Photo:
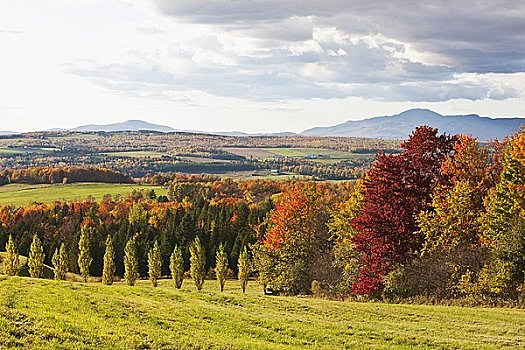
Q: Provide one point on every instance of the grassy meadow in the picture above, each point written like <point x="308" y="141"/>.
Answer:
<point x="294" y="152"/>
<point x="20" y="151"/>
<point x="21" y="194"/>
<point x="45" y="314"/>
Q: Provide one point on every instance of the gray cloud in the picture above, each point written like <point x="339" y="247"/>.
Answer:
<point x="405" y="50"/>
<point x="242" y="11"/>
<point x="478" y="36"/>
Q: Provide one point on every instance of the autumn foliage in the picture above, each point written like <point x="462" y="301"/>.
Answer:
<point x="397" y="188"/>
<point x="444" y="218"/>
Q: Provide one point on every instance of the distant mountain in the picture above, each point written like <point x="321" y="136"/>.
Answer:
<point x="401" y="125"/>
<point x="139" y="125"/>
<point x="130" y="125"/>
<point x="7" y="132"/>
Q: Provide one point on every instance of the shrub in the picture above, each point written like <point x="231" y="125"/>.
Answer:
<point x="131" y="264"/>
<point x="197" y="261"/>
<point x="84" y="254"/>
<point x="11" y="259"/>
<point x="221" y="266"/>
<point x="154" y="264"/>
<point x="60" y="263"/>
<point x="36" y="258"/>
<point x="177" y="267"/>
<point x="245" y="269"/>
<point x="108" y="271"/>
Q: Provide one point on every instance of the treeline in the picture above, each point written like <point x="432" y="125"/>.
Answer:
<point x="341" y="170"/>
<point x="444" y="219"/>
<point x="36" y="262"/>
<point x="215" y="220"/>
<point x="47" y="175"/>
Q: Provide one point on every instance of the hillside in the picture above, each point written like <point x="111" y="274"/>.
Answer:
<point x="37" y="314"/>
<point x="399" y="126"/>
<point x="24" y="269"/>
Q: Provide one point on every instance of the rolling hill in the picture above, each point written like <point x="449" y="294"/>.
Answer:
<point x="399" y="126"/>
<point x="44" y="314"/>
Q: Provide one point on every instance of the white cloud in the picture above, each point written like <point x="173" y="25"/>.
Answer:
<point x="188" y="62"/>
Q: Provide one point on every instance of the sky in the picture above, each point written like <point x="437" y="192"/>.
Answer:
<point x="256" y="66"/>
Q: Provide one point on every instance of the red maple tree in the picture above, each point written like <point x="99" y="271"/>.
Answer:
<point x="397" y="188"/>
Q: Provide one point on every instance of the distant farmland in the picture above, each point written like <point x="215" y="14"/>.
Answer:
<point x="320" y="154"/>
<point x="136" y="154"/>
<point x="20" y="195"/>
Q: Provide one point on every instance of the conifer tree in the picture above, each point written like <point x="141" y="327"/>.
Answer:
<point x="108" y="272"/>
<point x="11" y="260"/>
<point x="177" y="266"/>
<point x="244" y="266"/>
<point x="197" y="261"/>
<point x="36" y="258"/>
<point x="154" y="264"/>
<point x="84" y="254"/>
<point x="131" y="264"/>
<point x="60" y="263"/>
<point x="221" y="266"/>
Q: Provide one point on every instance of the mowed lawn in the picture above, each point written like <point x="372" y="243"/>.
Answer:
<point x="20" y="195"/>
<point x="45" y="314"/>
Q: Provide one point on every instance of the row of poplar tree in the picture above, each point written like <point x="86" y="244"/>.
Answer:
<point x="131" y="265"/>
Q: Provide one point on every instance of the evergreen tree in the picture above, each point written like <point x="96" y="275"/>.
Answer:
<point x="154" y="264"/>
<point x="108" y="273"/>
<point x="221" y="266"/>
<point x="197" y="263"/>
<point x="11" y="260"/>
<point x="244" y="266"/>
<point x="177" y="266"/>
<point x="131" y="264"/>
<point x="84" y="255"/>
<point x="36" y="258"/>
<point x="60" y="263"/>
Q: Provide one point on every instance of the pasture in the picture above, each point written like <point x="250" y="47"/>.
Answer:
<point x="315" y="154"/>
<point x="21" y="194"/>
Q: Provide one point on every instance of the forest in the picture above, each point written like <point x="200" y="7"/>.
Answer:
<point x="441" y="220"/>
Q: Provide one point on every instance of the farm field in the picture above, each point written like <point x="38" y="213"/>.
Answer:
<point x="268" y="152"/>
<point x="44" y="314"/>
<point x="136" y="154"/>
<point x="20" y="194"/>
<point x="13" y="151"/>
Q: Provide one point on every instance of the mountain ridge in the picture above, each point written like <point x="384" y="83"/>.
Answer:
<point x="128" y="125"/>
<point x="399" y="126"/>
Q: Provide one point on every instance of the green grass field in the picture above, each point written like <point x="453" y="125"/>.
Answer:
<point x="268" y="153"/>
<point x="44" y="314"/>
<point x="13" y="151"/>
<point x="19" y="194"/>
